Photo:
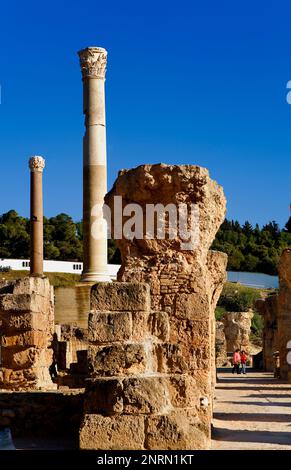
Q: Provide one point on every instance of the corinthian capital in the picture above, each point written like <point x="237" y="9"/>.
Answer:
<point x="36" y="163"/>
<point x="93" y="61"/>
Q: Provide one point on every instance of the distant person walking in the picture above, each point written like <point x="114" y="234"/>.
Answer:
<point x="243" y="361"/>
<point x="236" y="362"/>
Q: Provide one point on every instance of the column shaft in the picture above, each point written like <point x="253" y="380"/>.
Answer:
<point x="94" y="165"/>
<point x="36" y="216"/>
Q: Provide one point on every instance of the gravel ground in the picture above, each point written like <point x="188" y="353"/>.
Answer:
<point x="251" y="412"/>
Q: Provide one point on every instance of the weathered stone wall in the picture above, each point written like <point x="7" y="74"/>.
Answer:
<point x="284" y="312"/>
<point x="26" y="327"/>
<point x="184" y="288"/>
<point x="237" y="330"/>
<point x="41" y="414"/>
<point x="276" y="311"/>
<point x="268" y="308"/>
<point x="140" y="394"/>
<point x="123" y="388"/>
<point x="220" y="344"/>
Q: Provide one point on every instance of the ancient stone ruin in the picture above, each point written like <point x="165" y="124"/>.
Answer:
<point x="151" y="353"/>
<point x="27" y="325"/>
<point x="148" y="357"/>
<point x="220" y="345"/>
<point x="237" y="330"/>
<point x="268" y="308"/>
<point x="284" y="314"/>
<point x="276" y="311"/>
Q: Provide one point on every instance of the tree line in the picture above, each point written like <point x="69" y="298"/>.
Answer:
<point x="62" y="238"/>
<point x="252" y="249"/>
<point x="248" y="248"/>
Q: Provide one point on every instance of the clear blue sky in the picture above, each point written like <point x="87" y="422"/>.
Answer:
<point x="196" y="82"/>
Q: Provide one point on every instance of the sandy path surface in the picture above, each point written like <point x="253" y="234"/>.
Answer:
<point x="251" y="412"/>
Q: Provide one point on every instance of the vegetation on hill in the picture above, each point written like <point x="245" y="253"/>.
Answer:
<point x="248" y="249"/>
<point x="238" y="298"/>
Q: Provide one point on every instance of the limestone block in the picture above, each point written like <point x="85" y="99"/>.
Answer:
<point x="184" y="391"/>
<point x="139" y="325"/>
<point x="177" y="431"/>
<point x="145" y="395"/>
<point x="110" y="296"/>
<point x="119" y="432"/>
<point x="15" y="303"/>
<point x="106" y="327"/>
<point x="189" y="333"/>
<point x="159" y="325"/>
<point x="12" y="378"/>
<point x="178" y="359"/>
<point x="25" y="358"/>
<point x="12" y="322"/>
<point x="104" y="395"/>
<point x="39" y="285"/>
<point x="37" y="339"/>
<point x="192" y="306"/>
<point x="26" y="379"/>
<point x="117" y="359"/>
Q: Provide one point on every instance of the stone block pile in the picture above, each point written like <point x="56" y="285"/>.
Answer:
<point x="26" y="328"/>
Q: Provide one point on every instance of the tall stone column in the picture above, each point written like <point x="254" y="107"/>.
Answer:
<point x="93" y="62"/>
<point x="36" y="165"/>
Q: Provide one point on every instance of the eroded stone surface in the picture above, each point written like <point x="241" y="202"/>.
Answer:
<point x="116" y="359"/>
<point x="176" y="431"/>
<point x="163" y="374"/>
<point x="237" y="330"/>
<point x="118" y="432"/>
<point x="268" y="308"/>
<point x="276" y="312"/>
<point x="107" y="327"/>
<point x="27" y="322"/>
<point x="284" y="312"/>
<point x="106" y="296"/>
<point x="220" y="344"/>
<point x="165" y="184"/>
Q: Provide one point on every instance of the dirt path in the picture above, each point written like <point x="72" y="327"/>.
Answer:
<point x="251" y="412"/>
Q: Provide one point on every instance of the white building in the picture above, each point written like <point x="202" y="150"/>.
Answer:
<point x="50" y="266"/>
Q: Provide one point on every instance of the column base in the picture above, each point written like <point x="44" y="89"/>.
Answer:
<point x="92" y="277"/>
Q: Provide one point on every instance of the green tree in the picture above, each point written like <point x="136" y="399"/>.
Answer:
<point x="14" y="236"/>
<point x="288" y="226"/>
